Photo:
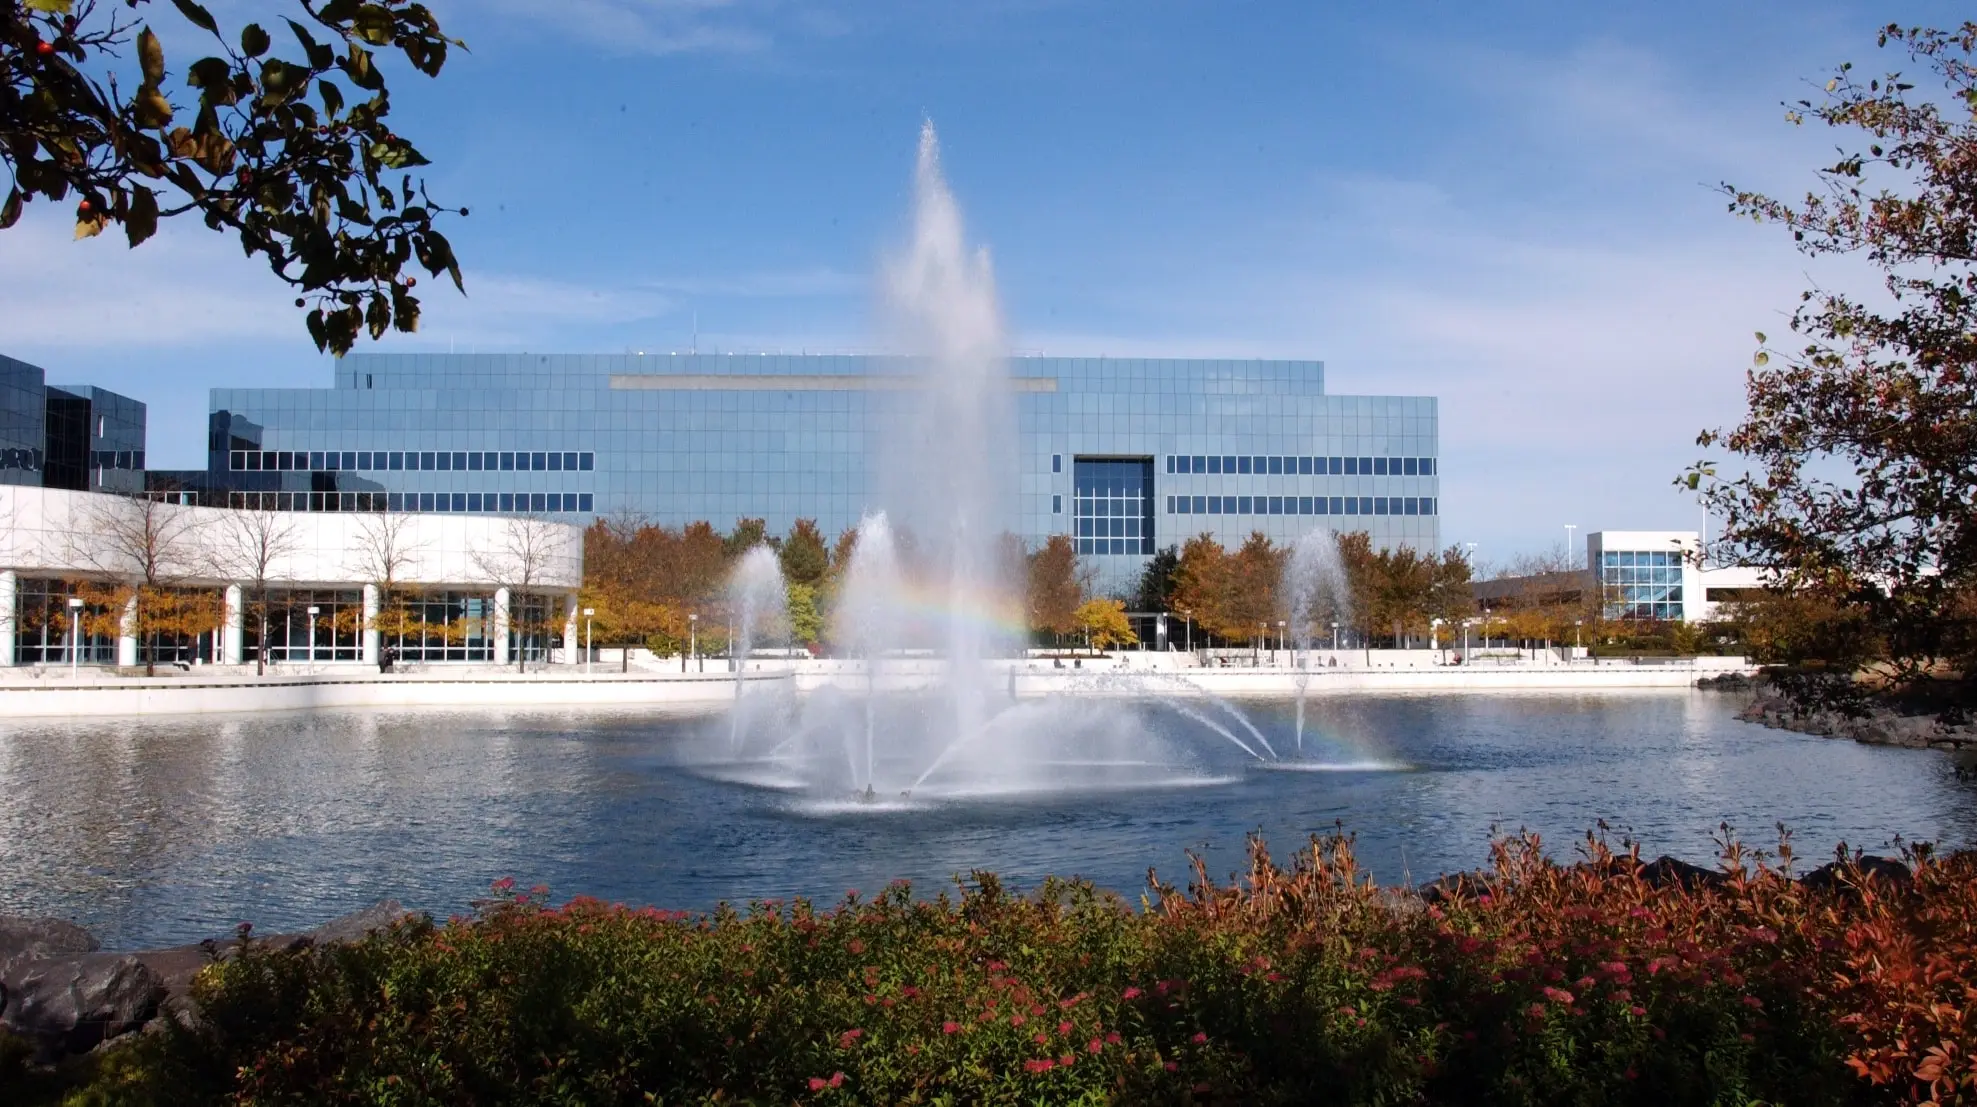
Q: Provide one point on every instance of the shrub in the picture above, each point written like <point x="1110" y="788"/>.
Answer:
<point x="1539" y="983"/>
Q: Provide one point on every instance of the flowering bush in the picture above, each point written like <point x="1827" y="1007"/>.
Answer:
<point x="1533" y="983"/>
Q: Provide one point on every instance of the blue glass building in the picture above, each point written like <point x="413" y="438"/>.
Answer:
<point x="1125" y="454"/>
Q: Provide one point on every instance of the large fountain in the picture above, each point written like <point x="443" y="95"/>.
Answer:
<point x="924" y="707"/>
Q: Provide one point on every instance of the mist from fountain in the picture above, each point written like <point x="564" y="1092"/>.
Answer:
<point x="759" y="599"/>
<point x="921" y="606"/>
<point x="1315" y="586"/>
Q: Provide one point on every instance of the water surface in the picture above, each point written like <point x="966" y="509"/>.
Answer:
<point x="156" y="831"/>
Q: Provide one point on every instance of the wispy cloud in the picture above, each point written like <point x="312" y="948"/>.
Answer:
<point x="646" y="26"/>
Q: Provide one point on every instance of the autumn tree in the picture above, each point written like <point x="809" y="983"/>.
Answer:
<point x="1104" y="623"/>
<point x="1252" y="603"/>
<point x="748" y="534"/>
<point x="1860" y="438"/>
<point x="1201" y="581"/>
<point x="247" y="546"/>
<point x="1054" y="593"/>
<point x="522" y="556"/>
<point x="147" y="548"/>
<point x="287" y="150"/>
<point x="384" y="549"/>
<point x="1451" y="595"/>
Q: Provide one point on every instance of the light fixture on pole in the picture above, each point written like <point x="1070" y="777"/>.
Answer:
<point x="1280" y="635"/>
<point x="693" y="641"/>
<point x="1335" y="638"/>
<point x="1569" y="528"/>
<point x="587" y="613"/>
<point x="75" y="636"/>
<point x="312" y="631"/>
<point x="1576" y="624"/>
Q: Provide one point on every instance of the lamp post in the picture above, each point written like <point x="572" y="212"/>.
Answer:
<point x="1576" y="624"/>
<point x="1569" y="528"/>
<point x="312" y="632"/>
<point x="75" y="637"/>
<point x="1256" y="645"/>
<point x="692" y="640"/>
<point x="1435" y="634"/>
<point x="1280" y="636"/>
<point x="587" y="613"/>
<point x="1335" y="638"/>
<point x="1187" y="629"/>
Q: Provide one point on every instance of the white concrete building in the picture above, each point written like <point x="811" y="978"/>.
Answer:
<point x="472" y="588"/>
<point x="1658" y="574"/>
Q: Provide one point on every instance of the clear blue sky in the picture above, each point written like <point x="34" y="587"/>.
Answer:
<point x="1508" y="206"/>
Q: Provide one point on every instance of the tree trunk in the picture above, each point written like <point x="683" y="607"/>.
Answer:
<point x="261" y="647"/>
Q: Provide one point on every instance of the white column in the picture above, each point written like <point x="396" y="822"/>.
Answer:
<point x="372" y="639"/>
<point x="501" y="656"/>
<point x="570" y="646"/>
<point x="10" y="606"/>
<point x="235" y="646"/>
<point x="127" y="635"/>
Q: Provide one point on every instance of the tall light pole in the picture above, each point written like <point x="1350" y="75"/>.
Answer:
<point x="587" y="613"/>
<point x="75" y="637"/>
<point x="1335" y="638"/>
<point x="1280" y="636"/>
<point x="1569" y="528"/>
<point x="693" y="639"/>
<point x="312" y="633"/>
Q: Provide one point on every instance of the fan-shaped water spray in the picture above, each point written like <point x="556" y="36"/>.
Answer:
<point x="1315" y="584"/>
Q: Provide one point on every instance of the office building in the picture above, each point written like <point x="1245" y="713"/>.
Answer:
<point x="1124" y="454"/>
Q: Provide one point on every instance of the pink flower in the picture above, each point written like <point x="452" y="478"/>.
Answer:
<point x="950" y="1028"/>
<point x="1558" y="995"/>
<point x="1637" y="1012"/>
<point x="1064" y="1027"/>
<point x="1112" y="1038"/>
<point x="1044" y="1065"/>
<point x="1754" y="1003"/>
<point x="1040" y="1038"/>
<point x="857" y="946"/>
<point x="1133" y="993"/>
<point x="1017" y="1020"/>
<point x="845" y="1039"/>
<point x="837" y="1080"/>
<point x="1170" y="1066"/>
<point x="505" y="885"/>
<point x="1200" y="1037"/>
<point x="1095" y="1045"/>
<point x="818" y="1083"/>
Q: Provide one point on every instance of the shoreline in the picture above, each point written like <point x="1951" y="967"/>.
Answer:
<point x="51" y="694"/>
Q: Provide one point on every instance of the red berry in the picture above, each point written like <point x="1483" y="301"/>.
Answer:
<point x="82" y="208"/>
<point x="44" y="48"/>
<point x="411" y="281"/>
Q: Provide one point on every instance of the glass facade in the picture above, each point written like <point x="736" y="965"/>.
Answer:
<point x="1225" y="447"/>
<point x="1641" y="584"/>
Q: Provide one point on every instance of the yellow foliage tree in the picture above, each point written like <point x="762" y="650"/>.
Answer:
<point x="1105" y="624"/>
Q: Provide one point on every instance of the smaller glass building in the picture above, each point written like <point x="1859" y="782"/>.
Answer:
<point x="1647" y="574"/>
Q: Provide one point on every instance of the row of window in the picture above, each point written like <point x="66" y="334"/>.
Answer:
<point x="116" y="459"/>
<point x="1633" y="558"/>
<point x="535" y="503"/>
<point x="1301" y="505"/>
<point x="1658" y="574"/>
<point x="361" y="461"/>
<point x="1302" y="466"/>
<point x="1115" y="545"/>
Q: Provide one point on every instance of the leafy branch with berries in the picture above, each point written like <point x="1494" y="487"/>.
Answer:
<point x="287" y="150"/>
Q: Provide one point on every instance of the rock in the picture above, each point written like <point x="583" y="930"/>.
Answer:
<point x="354" y="926"/>
<point x="1665" y="872"/>
<point x="35" y="938"/>
<point x="1726" y="682"/>
<point x="1453" y="886"/>
<point x="72" y="1004"/>
<point x="1877" y="870"/>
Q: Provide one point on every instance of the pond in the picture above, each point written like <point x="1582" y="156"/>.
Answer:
<point x="161" y="831"/>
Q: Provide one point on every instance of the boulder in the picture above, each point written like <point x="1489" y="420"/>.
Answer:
<point x="354" y="926"/>
<point x="72" y="1004"/>
<point x="1884" y="871"/>
<point x="1453" y="886"/>
<point x="26" y="938"/>
<point x="1665" y="872"/>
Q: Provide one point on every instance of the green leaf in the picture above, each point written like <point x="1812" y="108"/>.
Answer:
<point x="198" y="15"/>
<point x="358" y="68"/>
<point x="150" y="56"/>
<point x="10" y="212"/>
<point x="141" y="222"/>
<point x="332" y="98"/>
<point x="53" y="7"/>
<point x="397" y="155"/>
<point x="253" y="40"/>
<point x="374" y="24"/>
